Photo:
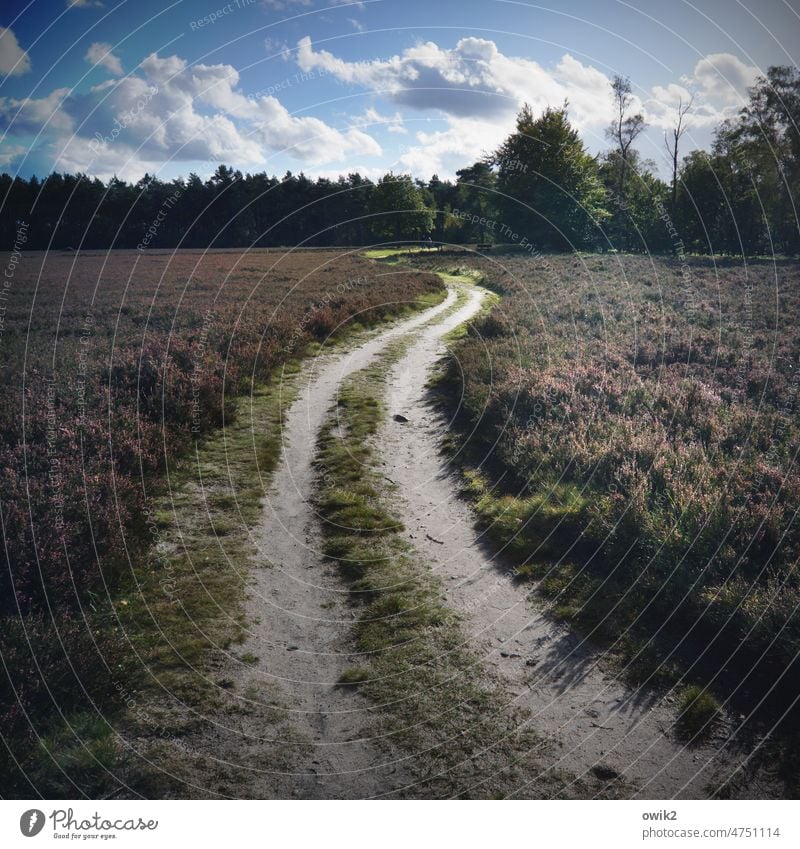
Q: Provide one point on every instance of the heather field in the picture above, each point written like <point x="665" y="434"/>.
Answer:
<point x="628" y="429"/>
<point x="624" y="431"/>
<point x="117" y="366"/>
<point x="401" y="401"/>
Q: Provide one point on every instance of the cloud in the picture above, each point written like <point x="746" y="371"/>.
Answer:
<point x="475" y="79"/>
<point x="718" y="85"/>
<point x="13" y="59"/>
<point x="472" y="79"/>
<point x="173" y="111"/>
<point x="422" y="77"/>
<point x="30" y="115"/>
<point x="661" y="108"/>
<point x="371" y="172"/>
<point x="287" y="4"/>
<point x="100" y="54"/>
<point x="725" y="76"/>
<point x="278" y="48"/>
<point x="443" y="152"/>
<point x="371" y="117"/>
<point x="476" y="89"/>
<point x="307" y="138"/>
<point x="11" y="153"/>
<point x="280" y="5"/>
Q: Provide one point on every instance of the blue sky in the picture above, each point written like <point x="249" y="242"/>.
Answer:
<point x="327" y="87"/>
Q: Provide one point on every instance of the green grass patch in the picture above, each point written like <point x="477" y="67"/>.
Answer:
<point x="354" y="675"/>
<point x="391" y="253"/>
<point x="698" y="713"/>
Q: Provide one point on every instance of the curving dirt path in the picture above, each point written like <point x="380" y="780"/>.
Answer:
<point x="301" y="621"/>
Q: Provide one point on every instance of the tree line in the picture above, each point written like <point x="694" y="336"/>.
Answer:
<point x="737" y="198"/>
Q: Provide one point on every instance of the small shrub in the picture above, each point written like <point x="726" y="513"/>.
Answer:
<point x="354" y="675"/>
<point x="698" y="712"/>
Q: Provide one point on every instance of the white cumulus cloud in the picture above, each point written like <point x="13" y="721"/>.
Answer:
<point x="100" y="54"/>
<point x="13" y="59"/>
<point x="472" y="79"/>
<point x="171" y="110"/>
<point x="371" y="117"/>
<point x="724" y="75"/>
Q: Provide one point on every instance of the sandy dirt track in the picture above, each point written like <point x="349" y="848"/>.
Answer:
<point x="301" y="622"/>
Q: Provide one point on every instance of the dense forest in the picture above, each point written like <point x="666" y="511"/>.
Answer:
<point x="541" y="188"/>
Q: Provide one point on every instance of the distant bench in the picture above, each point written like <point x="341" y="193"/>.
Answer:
<point x="486" y="246"/>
